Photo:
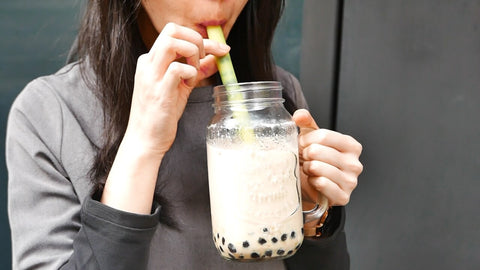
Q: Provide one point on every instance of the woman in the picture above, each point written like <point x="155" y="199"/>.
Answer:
<point x="106" y="158"/>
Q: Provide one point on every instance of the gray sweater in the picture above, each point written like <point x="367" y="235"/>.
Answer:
<point x="54" y="130"/>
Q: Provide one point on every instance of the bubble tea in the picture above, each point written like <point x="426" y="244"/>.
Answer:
<point x="253" y="169"/>
<point x="254" y="174"/>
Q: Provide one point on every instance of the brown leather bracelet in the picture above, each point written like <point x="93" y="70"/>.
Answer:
<point x="317" y="230"/>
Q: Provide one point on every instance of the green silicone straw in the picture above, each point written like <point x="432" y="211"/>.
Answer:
<point x="227" y="74"/>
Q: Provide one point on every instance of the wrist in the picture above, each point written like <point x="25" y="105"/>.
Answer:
<point x="130" y="184"/>
<point x="142" y="146"/>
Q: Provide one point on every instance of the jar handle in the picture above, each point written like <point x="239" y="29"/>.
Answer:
<point x="317" y="212"/>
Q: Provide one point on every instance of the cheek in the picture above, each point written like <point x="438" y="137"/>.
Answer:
<point x="156" y="12"/>
<point x="236" y="10"/>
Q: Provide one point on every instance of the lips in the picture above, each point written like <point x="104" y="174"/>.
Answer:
<point x="202" y="27"/>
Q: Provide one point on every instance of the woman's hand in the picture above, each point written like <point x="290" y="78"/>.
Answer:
<point x="165" y="76"/>
<point x="329" y="162"/>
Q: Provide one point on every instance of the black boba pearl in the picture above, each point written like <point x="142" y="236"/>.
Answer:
<point x="241" y="257"/>
<point x="297" y="247"/>
<point x="231" y="256"/>
<point x="232" y="248"/>
<point x="223" y="240"/>
<point x="268" y="253"/>
<point x="245" y="244"/>
<point x="221" y="249"/>
<point x="214" y="239"/>
<point x="261" y="241"/>
<point x="292" y="234"/>
<point x="265" y="229"/>
<point x="302" y="230"/>
<point x="284" y="237"/>
<point x="290" y="252"/>
<point x="274" y="239"/>
<point x="218" y="235"/>
<point x="280" y="252"/>
<point x="255" y="255"/>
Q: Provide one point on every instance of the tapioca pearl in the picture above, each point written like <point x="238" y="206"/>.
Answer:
<point x="289" y="252"/>
<point x="241" y="257"/>
<point x="284" y="237"/>
<point x="280" y="252"/>
<point x="292" y="235"/>
<point x="221" y="249"/>
<point x="223" y="240"/>
<point x="298" y="246"/>
<point x="255" y="255"/>
<point x="232" y="248"/>
<point x="245" y="244"/>
<point x="268" y="253"/>
<point x="231" y="256"/>
<point x="218" y="236"/>
<point x="302" y="230"/>
<point x="274" y="239"/>
<point x="262" y="241"/>
<point x="265" y="229"/>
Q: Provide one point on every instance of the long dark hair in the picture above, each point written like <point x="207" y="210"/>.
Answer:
<point x="109" y="43"/>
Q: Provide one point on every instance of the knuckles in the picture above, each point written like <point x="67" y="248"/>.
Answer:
<point x="343" y="199"/>
<point x="170" y="28"/>
<point x="354" y="166"/>
<point x="350" y="183"/>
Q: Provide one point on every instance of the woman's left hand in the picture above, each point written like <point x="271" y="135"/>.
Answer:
<point x="329" y="161"/>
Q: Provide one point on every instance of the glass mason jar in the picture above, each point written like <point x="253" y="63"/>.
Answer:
<point x="253" y="171"/>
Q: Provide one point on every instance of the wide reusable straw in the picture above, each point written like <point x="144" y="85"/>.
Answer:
<point x="227" y="74"/>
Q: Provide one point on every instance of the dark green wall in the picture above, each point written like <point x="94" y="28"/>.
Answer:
<point x="35" y="39"/>
<point x="287" y="42"/>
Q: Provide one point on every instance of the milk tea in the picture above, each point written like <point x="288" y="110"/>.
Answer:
<point x="255" y="201"/>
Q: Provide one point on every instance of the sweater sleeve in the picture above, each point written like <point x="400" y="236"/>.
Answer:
<point x="112" y="239"/>
<point x="50" y="228"/>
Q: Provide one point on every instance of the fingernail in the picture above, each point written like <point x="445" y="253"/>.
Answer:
<point x="301" y="141"/>
<point x="224" y="47"/>
<point x="305" y="154"/>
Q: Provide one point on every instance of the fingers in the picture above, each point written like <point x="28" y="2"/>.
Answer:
<point x="177" y="73"/>
<point x="343" y="161"/>
<point x="215" y="48"/>
<point x="330" y="160"/>
<point x="174" y="31"/>
<point x="344" y="179"/>
<point x="176" y="42"/>
<point x="208" y="67"/>
<point x="334" y="194"/>
<point x="342" y="143"/>
<point x="304" y="120"/>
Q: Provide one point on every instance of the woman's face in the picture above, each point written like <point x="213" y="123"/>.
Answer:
<point x="194" y="14"/>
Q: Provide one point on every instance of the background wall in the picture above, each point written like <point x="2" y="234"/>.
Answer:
<point x="409" y="90"/>
<point x="35" y="39"/>
<point x="403" y="78"/>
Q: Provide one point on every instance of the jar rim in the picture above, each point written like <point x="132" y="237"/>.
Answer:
<point x="246" y="92"/>
<point x="246" y="86"/>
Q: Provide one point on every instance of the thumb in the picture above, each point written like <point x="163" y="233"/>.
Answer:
<point x="304" y="121"/>
<point x="208" y="67"/>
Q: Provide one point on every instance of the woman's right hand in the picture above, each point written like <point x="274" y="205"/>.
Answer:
<point x="165" y="76"/>
<point x="163" y="84"/>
